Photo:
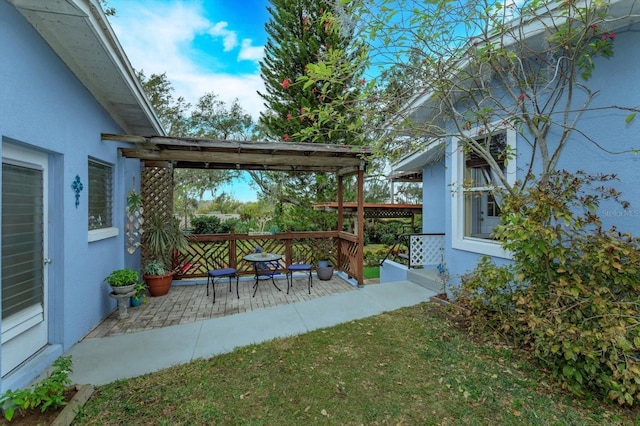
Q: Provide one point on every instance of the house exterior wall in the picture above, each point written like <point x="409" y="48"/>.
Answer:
<point x="434" y="191"/>
<point x="618" y="81"/>
<point x="45" y="108"/>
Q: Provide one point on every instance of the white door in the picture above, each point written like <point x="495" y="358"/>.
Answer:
<point x="24" y="252"/>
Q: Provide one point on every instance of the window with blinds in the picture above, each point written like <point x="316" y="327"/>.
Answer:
<point x="22" y="238"/>
<point x="100" y="195"/>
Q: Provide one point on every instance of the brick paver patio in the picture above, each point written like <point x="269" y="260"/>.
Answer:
<point x="189" y="303"/>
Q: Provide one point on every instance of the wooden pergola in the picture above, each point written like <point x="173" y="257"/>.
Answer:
<point x="161" y="154"/>
<point x="375" y="210"/>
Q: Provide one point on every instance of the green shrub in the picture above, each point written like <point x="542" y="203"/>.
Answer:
<point x="205" y="225"/>
<point x="47" y="393"/>
<point x="373" y="257"/>
<point x="229" y="224"/>
<point x="380" y="232"/>
<point x="571" y="295"/>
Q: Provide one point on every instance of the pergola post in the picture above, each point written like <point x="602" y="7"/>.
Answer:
<point x="360" y="226"/>
<point x="340" y="202"/>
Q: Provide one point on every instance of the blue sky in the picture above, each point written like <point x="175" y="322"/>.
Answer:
<point x="203" y="46"/>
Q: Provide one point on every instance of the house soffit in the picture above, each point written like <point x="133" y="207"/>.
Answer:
<point x="415" y="163"/>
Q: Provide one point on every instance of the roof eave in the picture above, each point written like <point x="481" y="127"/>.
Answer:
<point x="70" y="27"/>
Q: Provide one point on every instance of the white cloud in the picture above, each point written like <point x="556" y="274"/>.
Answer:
<point x="157" y="38"/>
<point x="249" y="52"/>
<point x="229" y="38"/>
<point x="227" y="86"/>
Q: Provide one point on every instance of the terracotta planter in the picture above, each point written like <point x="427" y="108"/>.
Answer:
<point x="158" y="284"/>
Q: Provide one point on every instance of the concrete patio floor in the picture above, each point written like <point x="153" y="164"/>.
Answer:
<point x="187" y="302"/>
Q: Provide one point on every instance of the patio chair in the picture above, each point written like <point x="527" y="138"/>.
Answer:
<point x="298" y="267"/>
<point x="214" y="274"/>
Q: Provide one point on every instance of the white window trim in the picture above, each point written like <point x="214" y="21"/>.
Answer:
<point x="103" y="233"/>
<point x="108" y="231"/>
<point x="458" y="239"/>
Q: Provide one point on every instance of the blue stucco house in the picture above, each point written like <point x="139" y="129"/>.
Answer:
<point x="64" y="80"/>
<point x="461" y="227"/>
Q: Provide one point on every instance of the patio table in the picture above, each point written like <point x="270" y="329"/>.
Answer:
<point x="263" y="273"/>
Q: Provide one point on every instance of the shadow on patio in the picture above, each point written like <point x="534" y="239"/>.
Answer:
<point x="187" y="303"/>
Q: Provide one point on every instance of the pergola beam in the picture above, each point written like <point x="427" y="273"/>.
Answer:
<point x="232" y="159"/>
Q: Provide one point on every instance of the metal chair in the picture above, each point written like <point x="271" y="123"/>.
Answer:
<point x="298" y="267"/>
<point x="214" y="274"/>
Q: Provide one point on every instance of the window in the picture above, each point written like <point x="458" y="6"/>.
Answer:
<point x="475" y="207"/>
<point x="100" y="195"/>
<point x="481" y="210"/>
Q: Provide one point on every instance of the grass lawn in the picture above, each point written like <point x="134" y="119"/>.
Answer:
<point x="410" y="366"/>
<point x="371" y="272"/>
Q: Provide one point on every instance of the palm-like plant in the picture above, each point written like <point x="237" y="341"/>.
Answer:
<point x="162" y="235"/>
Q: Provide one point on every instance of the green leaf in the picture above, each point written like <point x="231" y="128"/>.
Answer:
<point x="9" y="412"/>
<point x="568" y="371"/>
<point x="630" y="118"/>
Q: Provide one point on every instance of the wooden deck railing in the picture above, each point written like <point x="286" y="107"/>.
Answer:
<point x="214" y="251"/>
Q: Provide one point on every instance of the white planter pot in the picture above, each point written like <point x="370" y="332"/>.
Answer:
<point x="123" y="289"/>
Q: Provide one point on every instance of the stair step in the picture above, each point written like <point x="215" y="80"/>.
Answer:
<point x="427" y="278"/>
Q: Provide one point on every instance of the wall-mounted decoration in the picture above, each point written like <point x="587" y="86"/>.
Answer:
<point x="77" y="187"/>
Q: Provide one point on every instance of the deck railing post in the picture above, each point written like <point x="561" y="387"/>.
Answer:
<point x="233" y="258"/>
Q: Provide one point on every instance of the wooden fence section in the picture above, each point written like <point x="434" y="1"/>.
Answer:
<point x="215" y="251"/>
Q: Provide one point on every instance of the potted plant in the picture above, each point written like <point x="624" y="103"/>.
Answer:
<point x="123" y="281"/>
<point x="141" y="294"/>
<point x="324" y="269"/>
<point x="161" y="237"/>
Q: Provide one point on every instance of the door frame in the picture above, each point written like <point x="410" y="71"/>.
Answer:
<point x="27" y="325"/>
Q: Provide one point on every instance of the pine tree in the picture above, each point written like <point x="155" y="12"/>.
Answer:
<point x="303" y="33"/>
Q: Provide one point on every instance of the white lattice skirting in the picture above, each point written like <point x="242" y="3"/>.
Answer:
<point x="426" y="250"/>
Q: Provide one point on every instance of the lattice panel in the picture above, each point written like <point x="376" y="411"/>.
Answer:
<point x="426" y="250"/>
<point x="386" y="214"/>
<point x="245" y="247"/>
<point x="348" y="262"/>
<point x="302" y="251"/>
<point x="327" y="245"/>
<point x="157" y="190"/>
<point x="200" y="257"/>
<point x="157" y="194"/>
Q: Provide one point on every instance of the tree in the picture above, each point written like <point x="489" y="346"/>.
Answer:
<point x="210" y="118"/>
<point x="481" y="68"/>
<point x="108" y="10"/>
<point x="526" y="68"/>
<point x="303" y="34"/>
<point x="171" y="111"/>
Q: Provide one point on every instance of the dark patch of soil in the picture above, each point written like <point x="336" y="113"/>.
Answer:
<point x="442" y="296"/>
<point x="36" y="417"/>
